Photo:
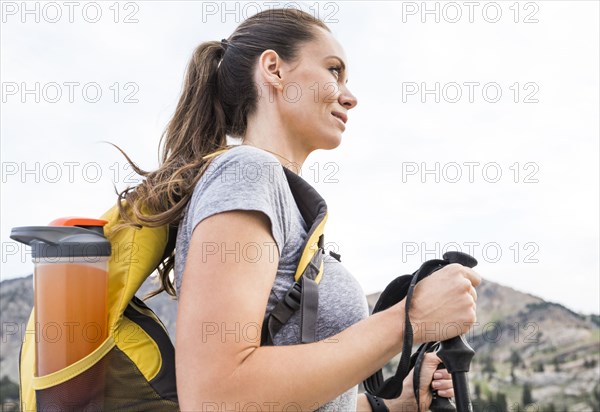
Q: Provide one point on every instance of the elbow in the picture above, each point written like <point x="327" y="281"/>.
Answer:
<point x="214" y="385"/>
<point x="204" y="390"/>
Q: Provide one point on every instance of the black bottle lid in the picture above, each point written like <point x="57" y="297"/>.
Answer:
<point x="65" y="237"/>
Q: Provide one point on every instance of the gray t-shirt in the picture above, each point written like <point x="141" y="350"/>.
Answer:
<point x="248" y="178"/>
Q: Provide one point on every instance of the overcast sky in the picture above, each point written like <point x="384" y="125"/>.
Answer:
<point x="476" y="128"/>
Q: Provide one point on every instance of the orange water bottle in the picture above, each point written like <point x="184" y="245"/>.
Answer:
<point x="70" y="259"/>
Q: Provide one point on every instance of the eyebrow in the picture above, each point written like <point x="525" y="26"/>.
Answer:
<point x="341" y="63"/>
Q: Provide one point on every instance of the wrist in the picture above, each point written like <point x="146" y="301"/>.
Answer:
<point x="377" y="404"/>
<point x="397" y="314"/>
<point x="415" y="323"/>
<point x="406" y="402"/>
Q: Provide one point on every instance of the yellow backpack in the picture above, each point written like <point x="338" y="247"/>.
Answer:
<point x="137" y="360"/>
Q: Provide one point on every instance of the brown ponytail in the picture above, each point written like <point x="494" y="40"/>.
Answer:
<point x="218" y="96"/>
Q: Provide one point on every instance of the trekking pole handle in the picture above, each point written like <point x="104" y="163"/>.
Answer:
<point x="457" y="355"/>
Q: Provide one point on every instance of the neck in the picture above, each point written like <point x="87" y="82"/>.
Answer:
<point x="282" y="150"/>
<point x="266" y="129"/>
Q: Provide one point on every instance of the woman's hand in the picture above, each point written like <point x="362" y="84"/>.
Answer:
<point x="431" y="379"/>
<point x="443" y="304"/>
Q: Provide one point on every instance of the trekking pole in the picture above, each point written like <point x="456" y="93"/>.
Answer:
<point x="456" y="354"/>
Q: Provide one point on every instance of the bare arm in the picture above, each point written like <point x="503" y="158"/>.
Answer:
<point x="228" y="367"/>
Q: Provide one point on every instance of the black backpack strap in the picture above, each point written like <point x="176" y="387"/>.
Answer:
<point x="281" y="313"/>
<point x="336" y="256"/>
<point x="171" y="241"/>
<point x="309" y="303"/>
<point x="303" y="295"/>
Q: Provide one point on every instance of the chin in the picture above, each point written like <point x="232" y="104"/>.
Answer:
<point x="330" y="142"/>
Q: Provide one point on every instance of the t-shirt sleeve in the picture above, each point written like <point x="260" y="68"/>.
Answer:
<point x="244" y="178"/>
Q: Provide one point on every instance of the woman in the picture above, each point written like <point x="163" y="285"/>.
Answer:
<point x="279" y="84"/>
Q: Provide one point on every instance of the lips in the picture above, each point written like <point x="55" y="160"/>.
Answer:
<point x="340" y="116"/>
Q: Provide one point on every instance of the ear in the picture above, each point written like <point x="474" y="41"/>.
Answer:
<point x="269" y="65"/>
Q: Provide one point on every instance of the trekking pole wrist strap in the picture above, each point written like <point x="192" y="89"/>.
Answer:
<point x="376" y="403"/>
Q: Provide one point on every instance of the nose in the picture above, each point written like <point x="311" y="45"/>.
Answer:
<point x="347" y="99"/>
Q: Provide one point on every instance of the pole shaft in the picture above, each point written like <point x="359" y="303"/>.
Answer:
<point x="461" y="392"/>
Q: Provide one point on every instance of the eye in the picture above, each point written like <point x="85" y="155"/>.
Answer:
<point x="336" y="68"/>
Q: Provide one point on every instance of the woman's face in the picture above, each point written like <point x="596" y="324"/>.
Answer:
<point x="315" y="100"/>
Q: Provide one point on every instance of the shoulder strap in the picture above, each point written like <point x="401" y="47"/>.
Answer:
<point x="303" y="294"/>
<point x="127" y="273"/>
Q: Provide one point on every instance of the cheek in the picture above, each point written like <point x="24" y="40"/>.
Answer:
<point x="294" y="94"/>
<point x="314" y="90"/>
<point x="308" y="101"/>
<point x="306" y="108"/>
<point x="329" y="92"/>
<point x="299" y="115"/>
